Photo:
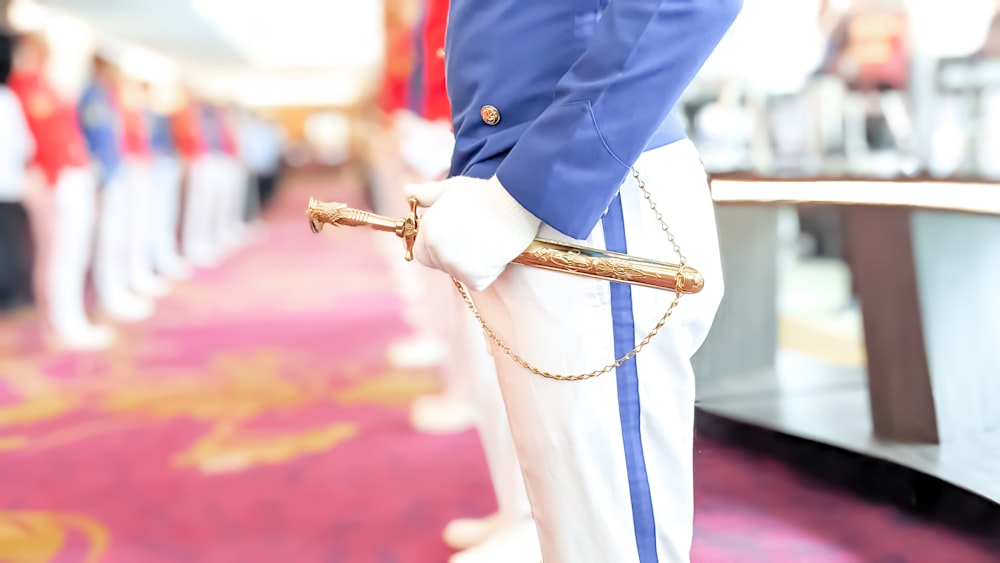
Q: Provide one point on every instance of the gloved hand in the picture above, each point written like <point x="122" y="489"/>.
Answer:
<point x="471" y="229"/>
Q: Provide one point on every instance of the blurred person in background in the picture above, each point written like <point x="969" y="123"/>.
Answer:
<point x="17" y="147"/>
<point x="417" y="151"/>
<point x="221" y="186"/>
<point x="233" y="219"/>
<point x="166" y="194"/>
<point x="60" y="201"/>
<point x="196" y="232"/>
<point x="260" y="148"/>
<point x="137" y="169"/>
<point x="873" y="59"/>
<point x="426" y="147"/>
<point x="242" y="121"/>
<point x="100" y="120"/>
<point x="427" y="347"/>
<point x="556" y="111"/>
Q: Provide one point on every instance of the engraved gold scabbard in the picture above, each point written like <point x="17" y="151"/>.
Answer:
<point x="547" y="254"/>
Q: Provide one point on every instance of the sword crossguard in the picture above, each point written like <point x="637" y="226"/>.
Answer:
<point x="408" y="229"/>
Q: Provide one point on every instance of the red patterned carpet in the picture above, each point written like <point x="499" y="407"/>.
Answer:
<point x="254" y="420"/>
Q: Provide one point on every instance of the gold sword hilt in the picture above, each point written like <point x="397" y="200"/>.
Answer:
<point x="547" y="254"/>
<point x="339" y="215"/>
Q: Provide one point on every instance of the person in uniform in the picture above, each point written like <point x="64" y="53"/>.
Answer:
<point x="219" y="191"/>
<point x="399" y="155"/>
<point x="508" y="534"/>
<point x="557" y="108"/>
<point x="62" y="208"/>
<point x="196" y="233"/>
<point x="166" y="197"/>
<point x="260" y="149"/>
<point x="16" y="149"/>
<point x="234" y="206"/>
<point x="137" y="168"/>
<point x="100" y="121"/>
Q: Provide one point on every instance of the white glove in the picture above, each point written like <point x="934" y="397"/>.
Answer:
<point x="472" y="228"/>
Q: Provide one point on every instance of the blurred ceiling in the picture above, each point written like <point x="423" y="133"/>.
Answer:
<point x="171" y="27"/>
<point x="265" y="52"/>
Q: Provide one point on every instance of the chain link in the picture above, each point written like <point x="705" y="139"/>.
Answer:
<point x="493" y="336"/>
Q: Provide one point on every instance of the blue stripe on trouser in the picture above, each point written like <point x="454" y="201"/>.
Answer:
<point x="628" y="393"/>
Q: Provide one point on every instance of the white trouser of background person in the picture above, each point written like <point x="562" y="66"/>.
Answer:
<point x="509" y="534"/>
<point x="422" y="348"/>
<point x="112" y="259"/>
<point x="234" y="223"/>
<point x="197" y="232"/>
<point x="220" y="195"/>
<point x="138" y="174"/>
<point x="607" y="462"/>
<point x="426" y="347"/>
<point x="470" y="394"/>
<point x="424" y="154"/>
<point x="165" y="216"/>
<point x="63" y="226"/>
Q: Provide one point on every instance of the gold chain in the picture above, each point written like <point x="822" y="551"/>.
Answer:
<point x="638" y="348"/>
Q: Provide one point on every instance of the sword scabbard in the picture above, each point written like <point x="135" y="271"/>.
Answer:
<point x="547" y="254"/>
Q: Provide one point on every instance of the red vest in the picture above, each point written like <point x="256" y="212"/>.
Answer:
<point x="187" y="132"/>
<point x="435" y="95"/>
<point x="399" y="62"/>
<point x="227" y="139"/>
<point x="136" y="137"/>
<point x="53" y="122"/>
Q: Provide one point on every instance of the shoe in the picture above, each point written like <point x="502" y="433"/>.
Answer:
<point x="416" y="353"/>
<point x="177" y="269"/>
<point x="150" y="285"/>
<point x="129" y="308"/>
<point x="256" y="232"/>
<point x="515" y="543"/>
<point x="203" y="256"/>
<point x="463" y="533"/>
<point x="441" y="414"/>
<point x="86" y="339"/>
<point x="234" y="238"/>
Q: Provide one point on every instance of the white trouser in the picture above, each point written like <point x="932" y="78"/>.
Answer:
<point x="228" y="200"/>
<point x="472" y="354"/>
<point x="166" y="201"/>
<point x="236" y="204"/>
<point x="139" y="187"/>
<point x="608" y="461"/>
<point x="111" y="263"/>
<point x="70" y="251"/>
<point x="197" y="233"/>
<point x="220" y="191"/>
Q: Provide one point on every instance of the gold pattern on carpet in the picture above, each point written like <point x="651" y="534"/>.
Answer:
<point x="36" y="537"/>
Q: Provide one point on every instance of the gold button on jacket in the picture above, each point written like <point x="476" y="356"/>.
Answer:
<point x="490" y="115"/>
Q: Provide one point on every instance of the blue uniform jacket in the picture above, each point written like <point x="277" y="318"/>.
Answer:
<point x="414" y="101"/>
<point x="102" y="128"/>
<point x="161" y="137"/>
<point x="210" y="128"/>
<point x="580" y="89"/>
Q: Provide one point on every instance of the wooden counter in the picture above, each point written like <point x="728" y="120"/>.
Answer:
<point x="925" y="258"/>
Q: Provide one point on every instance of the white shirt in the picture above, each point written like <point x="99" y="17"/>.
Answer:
<point x="17" y="146"/>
